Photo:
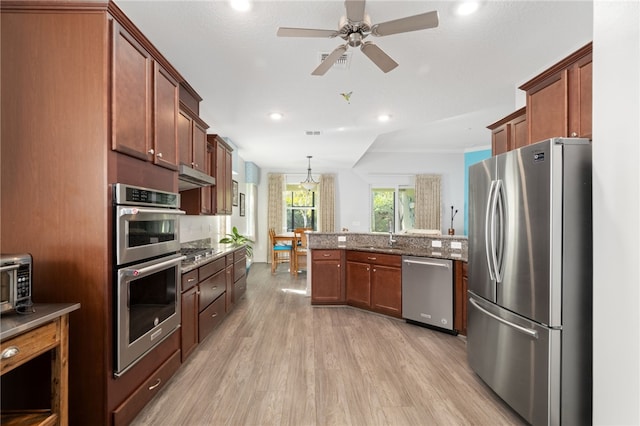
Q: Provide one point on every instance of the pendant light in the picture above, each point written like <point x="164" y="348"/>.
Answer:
<point x="309" y="184"/>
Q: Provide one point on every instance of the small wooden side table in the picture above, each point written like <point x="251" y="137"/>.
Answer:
<point x="23" y="337"/>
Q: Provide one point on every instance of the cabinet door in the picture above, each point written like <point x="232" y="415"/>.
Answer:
<point x="131" y="96"/>
<point x="580" y="102"/>
<point x="326" y="282"/>
<point x="230" y="294"/>
<point x="221" y="179"/>
<point x="547" y="108"/>
<point x="185" y="139"/>
<point x="165" y="119"/>
<point x="228" y="183"/>
<point x="519" y="134"/>
<point x="386" y="290"/>
<point x="200" y="148"/>
<point x="189" y="326"/>
<point x="500" y="139"/>
<point x="358" y="285"/>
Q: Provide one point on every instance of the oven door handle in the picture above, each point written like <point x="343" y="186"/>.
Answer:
<point x="9" y="268"/>
<point x="140" y="272"/>
<point x="130" y="211"/>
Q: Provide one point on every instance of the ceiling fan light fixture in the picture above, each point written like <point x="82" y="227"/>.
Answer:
<point x="383" y="118"/>
<point x="309" y="184"/>
<point x="275" y="116"/>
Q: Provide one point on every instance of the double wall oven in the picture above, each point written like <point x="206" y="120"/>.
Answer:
<point x="147" y="271"/>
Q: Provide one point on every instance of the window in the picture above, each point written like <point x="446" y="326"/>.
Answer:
<point x="392" y="209"/>
<point x="300" y="208"/>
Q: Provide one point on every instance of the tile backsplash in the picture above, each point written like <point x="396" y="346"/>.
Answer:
<point x="194" y="228"/>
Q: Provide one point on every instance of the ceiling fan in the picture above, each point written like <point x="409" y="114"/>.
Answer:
<point x="355" y="27"/>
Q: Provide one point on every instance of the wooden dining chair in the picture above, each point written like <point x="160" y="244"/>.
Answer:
<point x="280" y="252"/>
<point x="300" y="249"/>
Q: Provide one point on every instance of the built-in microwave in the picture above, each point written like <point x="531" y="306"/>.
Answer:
<point x="15" y="282"/>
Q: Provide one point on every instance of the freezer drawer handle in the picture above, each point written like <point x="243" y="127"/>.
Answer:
<point x="424" y="262"/>
<point x="521" y="329"/>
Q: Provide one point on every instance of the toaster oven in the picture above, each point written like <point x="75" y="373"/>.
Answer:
<point x="15" y="282"/>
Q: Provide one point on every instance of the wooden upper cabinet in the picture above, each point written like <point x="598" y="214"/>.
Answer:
<point x="165" y="119"/>
<point x="509" y="133"/>
<point x="131" y="96"/>
<point x="145" y="103"/>
<point x="559" y="99"/>
<point x="223" y="174"/>
<point x="192" y="140"/>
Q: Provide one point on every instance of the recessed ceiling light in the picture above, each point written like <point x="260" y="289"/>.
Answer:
<point x="276" y="116"/>
<point x="467" y="7"/>
<point x="384" y="118"/>
<point x="240" y="5"/>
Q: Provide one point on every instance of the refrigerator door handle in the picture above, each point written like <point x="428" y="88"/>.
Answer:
<point x="487" y="230"/>
<point x="527" y="331"/>
<point x="493" y="208"/>
<point x="497" y="232"/>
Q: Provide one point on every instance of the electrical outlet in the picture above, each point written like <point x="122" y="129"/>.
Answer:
<point x="436" y="243"/>
<point x="342" y="238"/>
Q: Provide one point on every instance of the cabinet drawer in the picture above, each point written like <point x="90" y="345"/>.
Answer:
<point x="325" y="254"/>
<point x="211" y="317"/>
<point x="375" y="258"/>
<point x="143" y="394"/>
<point x="239" y="254"/>
<point x="211" y="268"/>
<point x="28" y="346"/>
<point x="239" y="269"/>
<point x="240" y="287"/>
<point x="230" y="259"/>
<point x="189" y="279"/>
<point x="211" y="288"/>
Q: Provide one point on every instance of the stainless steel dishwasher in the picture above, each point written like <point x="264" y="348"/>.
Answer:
<point x="427" y="292"/>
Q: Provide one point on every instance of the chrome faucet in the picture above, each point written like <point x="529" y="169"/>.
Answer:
<point x="391" y="239"/>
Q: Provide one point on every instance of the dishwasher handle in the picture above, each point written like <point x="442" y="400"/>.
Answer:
<point x="426" y="262"/>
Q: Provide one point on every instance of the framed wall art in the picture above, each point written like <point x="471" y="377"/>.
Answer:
<point x="242" y="207"/>
<point x="235" y="193"/>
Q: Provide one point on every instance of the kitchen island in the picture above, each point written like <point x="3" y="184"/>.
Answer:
<point x="364" y="269"/>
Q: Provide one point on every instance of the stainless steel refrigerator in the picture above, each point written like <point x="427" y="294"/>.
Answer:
<point x="530" y="278"/>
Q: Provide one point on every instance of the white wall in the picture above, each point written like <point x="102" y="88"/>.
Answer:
<point x="616" y="212"/>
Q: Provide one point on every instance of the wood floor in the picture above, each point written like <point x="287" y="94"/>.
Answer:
<point x="276" y="360"/>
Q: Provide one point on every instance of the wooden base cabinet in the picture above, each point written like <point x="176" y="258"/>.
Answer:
<point x="460" y="297"/>
<point x="189" y="314"/>
<point x="327" y="277"/>
<point x="374" y="282"/>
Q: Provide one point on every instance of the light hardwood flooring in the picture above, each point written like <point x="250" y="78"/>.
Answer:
<point x="276" y="360"/>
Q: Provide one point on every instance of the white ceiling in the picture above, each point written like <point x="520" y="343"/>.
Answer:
<point x="451" y="83"/>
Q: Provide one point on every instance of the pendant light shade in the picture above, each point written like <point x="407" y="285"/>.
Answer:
<point x="309" y="184"/>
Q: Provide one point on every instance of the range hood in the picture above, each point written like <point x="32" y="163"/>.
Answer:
<point x="190" y="178"/>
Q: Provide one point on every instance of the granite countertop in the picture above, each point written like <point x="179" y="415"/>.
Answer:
<point x="217" y="251"/>
<point x="13" y="323"/>
<point x="452" y="247"/>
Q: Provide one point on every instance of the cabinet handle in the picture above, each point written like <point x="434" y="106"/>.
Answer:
<point x="190" y="280"/>
<point x="159" y="155"/>
<point x="371" y="258"/>
<point x="214" y="287"/>
<point x="151" y="151"/>
<point x="215" y="314"/>
<point x="326" y="255"/>
<point x="10" y="352"/>
<point x="574" y="134"/>
<point x="152" y="387"/>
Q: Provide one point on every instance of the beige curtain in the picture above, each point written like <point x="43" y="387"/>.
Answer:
<point x="276" y="188"/>
<point x="428" y="202"/>
<point x="326" y="203"/>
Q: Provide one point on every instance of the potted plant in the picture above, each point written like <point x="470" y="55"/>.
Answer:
<point x="236" y="238"/>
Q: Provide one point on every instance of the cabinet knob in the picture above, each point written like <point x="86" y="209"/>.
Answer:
<point x="151" y="151"/>
<point x="574" y="135"/>
<point x="159" y="155"/>
<point x="338" y="265"/>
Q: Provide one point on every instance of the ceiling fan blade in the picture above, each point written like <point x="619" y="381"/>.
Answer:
<point x="330" y="60"/>
<point x="306" y="32"/>
<point x="405" y="25"/>
<point x="355" y="10"/>
<point x="381" y="59"/>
